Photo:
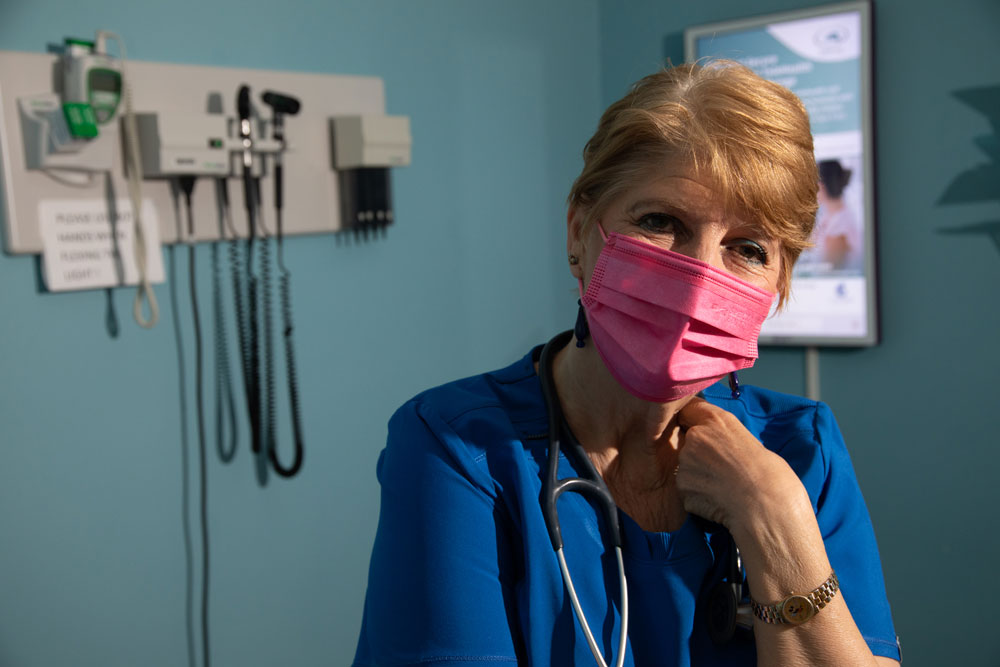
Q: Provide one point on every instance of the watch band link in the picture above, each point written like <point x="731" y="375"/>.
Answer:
<point x="797" y="609"/>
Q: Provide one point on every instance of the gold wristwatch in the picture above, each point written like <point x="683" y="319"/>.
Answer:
<point x="797" y="609"/>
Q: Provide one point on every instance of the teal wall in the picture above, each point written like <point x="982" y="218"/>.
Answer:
<point x="502" y="97"/>
<point x="919" y="411"/>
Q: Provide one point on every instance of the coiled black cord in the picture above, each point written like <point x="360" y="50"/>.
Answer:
<point x="224" y="402"/>
<point x="239" y="297"/>
<point x="247" y="325"/>
<point x="270" y="413"/>
<point x="256" y="395"/>
<point x="293" y="385"/>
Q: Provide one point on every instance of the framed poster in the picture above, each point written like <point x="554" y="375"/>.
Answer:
<point x="823" y="55"/>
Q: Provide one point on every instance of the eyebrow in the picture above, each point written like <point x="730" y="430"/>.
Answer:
<point x="664" y="204"/>
<point x="655" y="203"/>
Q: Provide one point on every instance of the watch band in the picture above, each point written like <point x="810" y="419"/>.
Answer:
<point x="797" y="609"/>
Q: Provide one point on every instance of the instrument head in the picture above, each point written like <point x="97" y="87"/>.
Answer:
<point x="243" y="102"/>
<point x="281" y="103"/>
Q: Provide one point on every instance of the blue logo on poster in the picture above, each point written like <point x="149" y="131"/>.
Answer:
<point x="832" y="36"/>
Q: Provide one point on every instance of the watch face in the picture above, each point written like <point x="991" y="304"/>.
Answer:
<point x="797" y="609"/>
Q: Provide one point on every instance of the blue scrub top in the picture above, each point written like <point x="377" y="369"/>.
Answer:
<point x="463" y="572"/>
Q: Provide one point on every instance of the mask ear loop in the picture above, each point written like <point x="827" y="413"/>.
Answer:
<point x="734" y="385"/>
<point x="581" y="330"/>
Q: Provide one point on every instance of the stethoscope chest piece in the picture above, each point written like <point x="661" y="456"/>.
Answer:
<point x="725" y="613"/>
<point x="722" y="606"/>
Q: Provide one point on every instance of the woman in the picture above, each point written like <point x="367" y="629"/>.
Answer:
<point x="697" y="194"/>
<point x="837" y="231"/>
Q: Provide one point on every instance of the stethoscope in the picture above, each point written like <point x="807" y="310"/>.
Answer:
<point x="724" y="610"/>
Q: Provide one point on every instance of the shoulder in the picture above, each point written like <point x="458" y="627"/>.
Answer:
<point x="802" y="431"/>
<point x="467" y="420"/>
<point x="511" y="394"/>
<point x="772" y="411"/>
<point x="486" y="391"/>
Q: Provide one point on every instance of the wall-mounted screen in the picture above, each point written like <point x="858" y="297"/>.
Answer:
<point x="824" y="56"/>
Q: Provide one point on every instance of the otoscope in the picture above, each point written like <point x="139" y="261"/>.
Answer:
<point x="281" y="105"/>
<point x="248" y="340"/>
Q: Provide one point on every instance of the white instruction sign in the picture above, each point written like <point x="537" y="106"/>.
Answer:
<point x="89" y="243"/>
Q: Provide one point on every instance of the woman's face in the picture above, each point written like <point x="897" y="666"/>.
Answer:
<point x="677" y="211"/>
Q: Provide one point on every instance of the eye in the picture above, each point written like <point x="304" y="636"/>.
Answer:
<point x="750" y="251"/>
<point x="661" y="223"/>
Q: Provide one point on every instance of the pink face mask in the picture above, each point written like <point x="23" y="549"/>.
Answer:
<point x="667" y="325"/>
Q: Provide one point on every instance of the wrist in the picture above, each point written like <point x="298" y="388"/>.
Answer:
<point x="777" y="507"/>
<point x="782" y="548"/>
<point x="797" y="608"/>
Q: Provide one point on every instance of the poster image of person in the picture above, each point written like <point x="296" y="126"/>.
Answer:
<point x="837" y="237"/>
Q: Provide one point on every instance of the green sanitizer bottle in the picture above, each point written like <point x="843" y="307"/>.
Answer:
<point x="92" y="88"/>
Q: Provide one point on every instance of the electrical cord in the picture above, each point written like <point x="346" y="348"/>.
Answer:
<point x="185" y="467"/>
<point x="270" y="413"/>
<point x="256" y="416"/>
<point x="134" y="169"/>
<point x="248" y="323"/>
<point x="264" y="425"/>
<point x="287" y="328"/>
<point x="224" y="401"/>
<point x="245" y="299"/>
<point x="270" y="430"/>
<point x="187" y="187"/>
<point x="253" y="350"/>
<point x="282" y="105"/>
<point x="240" y="294"/>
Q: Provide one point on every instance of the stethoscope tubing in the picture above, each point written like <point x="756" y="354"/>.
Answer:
<point x="591" y="485"/>
<point x="578" y="610"/>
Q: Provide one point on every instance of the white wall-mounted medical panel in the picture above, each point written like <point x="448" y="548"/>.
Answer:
<point x="311" y="199"/>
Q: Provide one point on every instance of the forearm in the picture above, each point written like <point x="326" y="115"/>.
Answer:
<point x="726" y="476"/>
<point x="783" y="553"/>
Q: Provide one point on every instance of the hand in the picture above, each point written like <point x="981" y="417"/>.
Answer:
<point x="724" y="474"/>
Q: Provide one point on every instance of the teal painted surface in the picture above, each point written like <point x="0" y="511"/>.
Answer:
<point x="502" y="97"/>
<point x="919" y="411"/>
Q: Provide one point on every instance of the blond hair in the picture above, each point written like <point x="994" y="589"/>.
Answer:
<point x="747" y="136"/>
